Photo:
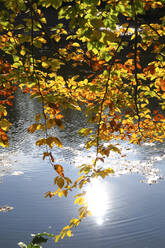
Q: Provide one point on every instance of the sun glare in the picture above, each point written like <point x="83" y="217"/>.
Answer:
<point x="97" y="200"/>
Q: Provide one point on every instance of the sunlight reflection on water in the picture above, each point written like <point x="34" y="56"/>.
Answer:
<point x="97" y="199"/>
<point x="125" y="213"/>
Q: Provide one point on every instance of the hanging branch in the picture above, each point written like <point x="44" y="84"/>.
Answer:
<point x="136" y="73"/>
<point x="33" y="71"/>
<point x="38" y="82"/>
<point x="32" y="36"/>
<point x="136" y="68"/>
<point x="105" y="94"/>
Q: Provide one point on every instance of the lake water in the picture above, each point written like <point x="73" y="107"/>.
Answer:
<point x="126" y="212"/>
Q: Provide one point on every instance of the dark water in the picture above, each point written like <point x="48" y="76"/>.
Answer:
<point x="126" y="212"/>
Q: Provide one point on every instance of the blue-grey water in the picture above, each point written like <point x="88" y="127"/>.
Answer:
<point x="126" y="212"/>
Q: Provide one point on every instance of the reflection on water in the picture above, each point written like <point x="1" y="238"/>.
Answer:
<point x="97" y="199"/>
<point x="6" y="208"/>
<point x="128" y="213"/>
<point x="23" y="145"/>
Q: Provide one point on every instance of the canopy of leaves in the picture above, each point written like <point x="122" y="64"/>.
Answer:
<point x="107" y="56"/>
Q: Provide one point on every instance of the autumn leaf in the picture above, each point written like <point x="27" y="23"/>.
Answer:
<point x="84" y="61"/>
<point x="60" y="181"/>
<point x="59" y="169"/>
<point x="162" y="85"/>
<point x="5" y="124"/>
<point x="38" y="117"/>
<point x="45" y="154"/>
<point x="69" y="233"/>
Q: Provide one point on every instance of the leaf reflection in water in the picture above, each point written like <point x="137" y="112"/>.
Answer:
<point x="97" y="199"/>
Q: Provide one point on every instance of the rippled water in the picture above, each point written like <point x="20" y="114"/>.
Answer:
<point x="126" y="212"/>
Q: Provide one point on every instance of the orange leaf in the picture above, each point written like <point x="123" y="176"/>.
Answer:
<point x="59" y="116"/>
<point x="156" y="118"/>
<point x="139" y="66"/>
<point x="155" y="112"/>
<point x="161" y="116"/>
<point x="162" y="85"/>
<point x="59" y="169"/>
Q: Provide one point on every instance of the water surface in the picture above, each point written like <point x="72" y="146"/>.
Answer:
<point x="126" y="212"/>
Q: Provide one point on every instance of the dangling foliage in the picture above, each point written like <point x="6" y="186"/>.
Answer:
<point x="107" y="56"/>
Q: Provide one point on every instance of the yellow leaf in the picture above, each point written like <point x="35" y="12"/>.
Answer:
<point x="22" y="52"/>
<point x="143" y="105"/>
<point x="134" y="135"/>
<point x="148" y="116"/>
<point x="3" y="111"/>
<point x="60" y="194"/>
<point x="53" y="140"/>
<point x="4" y="144"/>
<point x="5" y="124"/>
<point x="9" y="33"/>
<point x="65" y="228"/>
<point x="41" y="39"/>
<point x="79" y="200"/>
<point x="40" y="142"/>
<point x="45" y="65"/>
<point x="38" y="117"/>
<point x="133" y="36"/>
<point x="57" y="238"/>
<point x="43" y="19"/>
<point x="75" y="44"/>
<point x="69" y="233"/>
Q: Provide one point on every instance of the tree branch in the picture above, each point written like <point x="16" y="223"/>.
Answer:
<point x="136" y="69"/>
<point x="105" y="94"/>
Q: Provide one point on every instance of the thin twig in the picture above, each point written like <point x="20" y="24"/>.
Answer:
<point x="105" y="94"/>
<point x="136" y="69"/>
<point x="136" y="73"/>
<point x="44" y="116"/>
<point x="32" y="36"/>
<point x="38" y="83"/>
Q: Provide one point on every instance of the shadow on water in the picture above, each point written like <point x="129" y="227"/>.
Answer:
<point x="126" y="213"/>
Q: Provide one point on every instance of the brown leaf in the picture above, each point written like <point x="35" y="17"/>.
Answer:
<point x="59" y="169"/>
<point x="60" y="182"/>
